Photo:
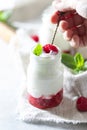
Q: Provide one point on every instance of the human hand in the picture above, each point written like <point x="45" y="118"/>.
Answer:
<point x="72" y="25"/>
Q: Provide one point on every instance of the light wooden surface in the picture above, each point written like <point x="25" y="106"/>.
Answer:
<point x="6" y="32"/>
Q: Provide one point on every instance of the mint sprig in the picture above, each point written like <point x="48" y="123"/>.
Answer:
<point x="68" y="60"/>
<point x="38" y="49"/>
<point x="79" y="60"/>
<point x="5" y="15"/>
<point x="76" y="63"/>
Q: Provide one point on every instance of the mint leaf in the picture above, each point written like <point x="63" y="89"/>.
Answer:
<point x="68" y="60"/>
<point x="76" y="63"/>
<point x="5" y="15"/>
<point x="38" y="49"/>
<point x="79" y="60"/>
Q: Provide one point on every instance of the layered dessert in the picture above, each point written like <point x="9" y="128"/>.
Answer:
<point x="45" y="77"/>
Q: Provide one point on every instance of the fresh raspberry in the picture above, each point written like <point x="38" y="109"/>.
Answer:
<point x="54" y="49"/>
<point x="46" y="48"/>
<point x="81" y="104"/>
<point x="35" y="38"/>
<point x="49" y="47"/>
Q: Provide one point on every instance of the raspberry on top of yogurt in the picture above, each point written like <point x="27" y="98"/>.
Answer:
<point x="47" y="49"/>
<point x="50" y="48"/>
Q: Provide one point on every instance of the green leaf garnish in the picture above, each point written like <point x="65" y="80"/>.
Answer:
<point x="76" y="63"/>
<point x="79" y="60"/>
<point x="38" y="49"/>
<point x="68" y="60"/>
<point x="5" y="15"/>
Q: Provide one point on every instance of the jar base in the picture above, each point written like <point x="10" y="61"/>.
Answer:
<point x="44" y="103"/>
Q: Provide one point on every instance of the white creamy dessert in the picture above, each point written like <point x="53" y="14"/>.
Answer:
<point x="44" y="75"/>
<point x="41" y="79"/>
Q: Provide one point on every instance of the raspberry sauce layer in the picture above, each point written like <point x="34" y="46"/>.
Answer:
<point x="44" y="103"/>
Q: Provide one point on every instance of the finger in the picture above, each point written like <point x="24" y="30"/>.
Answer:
<point x="77" y="19"/>
<point x="68" y="35"/>
<point x="75" y="36"/>
<point x="75" y="41"/>
<point x="63" y="26"/>
<point x="55" y="18"/>
<point x="71" y="20"/>
<point x="81" y="30"/>
<point x="74" y="20"/>
<point x="84" y="40"/>
<point x="85" y="36"/>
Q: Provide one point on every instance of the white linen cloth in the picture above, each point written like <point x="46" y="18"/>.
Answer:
<point x="65" y="112"/>
<point x="75" y="85"/>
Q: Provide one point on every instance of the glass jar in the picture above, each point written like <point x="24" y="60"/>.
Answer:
<point x="45" y="81"/>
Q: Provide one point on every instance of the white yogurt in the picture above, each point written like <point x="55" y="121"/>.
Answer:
<point x="44" y="75"/>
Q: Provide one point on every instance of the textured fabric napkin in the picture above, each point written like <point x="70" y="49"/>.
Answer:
<point x="75" y="85"/>
<point x="65" y="112"/>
